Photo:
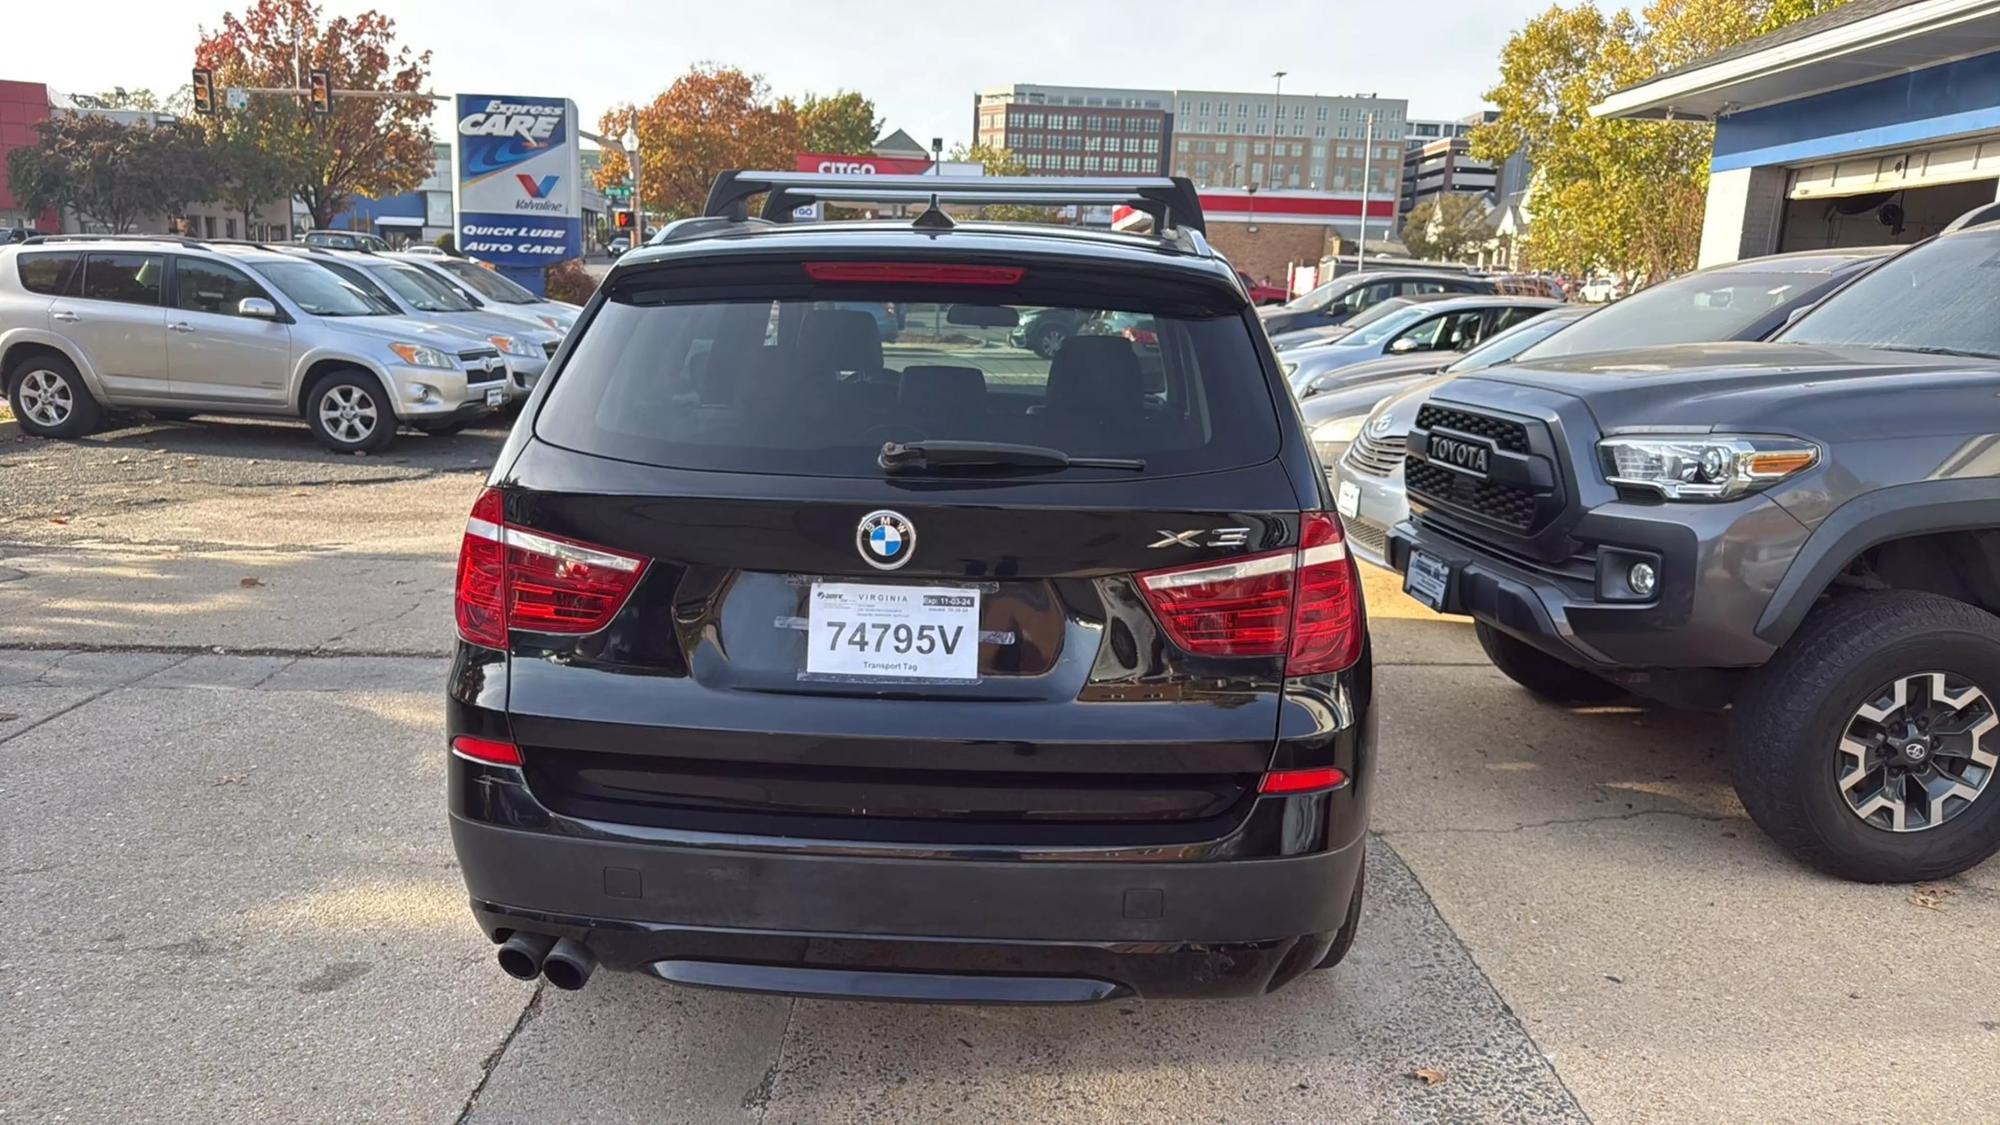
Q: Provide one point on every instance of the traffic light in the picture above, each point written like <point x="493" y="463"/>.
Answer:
<point x="321" y="94"/>
<point x="204" y="91"/>
<point x="623" y="219"/>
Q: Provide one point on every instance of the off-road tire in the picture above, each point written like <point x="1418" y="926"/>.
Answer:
<point x="1788" y="720"/>
<point x="1543" y="675"/>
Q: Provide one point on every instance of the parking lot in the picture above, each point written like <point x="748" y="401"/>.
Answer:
<point x="231" y="896"/>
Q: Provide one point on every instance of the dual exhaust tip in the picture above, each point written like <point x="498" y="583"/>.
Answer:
<point x="567" y="964"/>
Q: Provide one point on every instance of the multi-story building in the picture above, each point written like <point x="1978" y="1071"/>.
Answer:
<point x="1444" y="163"/>
<point x="1077" y="130"/>
<point x="1305" y="142"/>
<point x="1425" y="130"/>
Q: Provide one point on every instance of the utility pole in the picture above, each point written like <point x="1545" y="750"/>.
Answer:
<point x="631" y="147"/>
<point x="1367" y="152"/>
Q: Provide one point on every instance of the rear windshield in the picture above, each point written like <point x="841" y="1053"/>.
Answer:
<point x="815" y="387"/>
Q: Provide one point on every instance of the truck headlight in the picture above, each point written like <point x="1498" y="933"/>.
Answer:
<point x="1704" y="466"/>
<point x="512" y="345"/>
<point x="421" y="355"/>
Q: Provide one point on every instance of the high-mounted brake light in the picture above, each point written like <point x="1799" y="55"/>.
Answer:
<point x="929" y="273"/>
<point x="1302" y="602"/>
<point x="513" y="578"/>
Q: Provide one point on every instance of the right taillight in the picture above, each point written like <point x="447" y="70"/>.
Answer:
<point x="1303" y="603"/>
<point x="513" y="578"/>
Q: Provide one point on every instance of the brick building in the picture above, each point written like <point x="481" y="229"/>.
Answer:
<point x="1077" y="130"/>
<point x="22" y="106"/>
<point x="1265" y="233"/>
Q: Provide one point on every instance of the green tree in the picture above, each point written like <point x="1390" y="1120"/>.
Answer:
<point x="110" y="174"/>
<point x="1447" y="227"/>
<point x="1001" y="162"/>
<point x="843" y="123"/>
<point x="367" y="146"/>
<point x="1621" y="195"/>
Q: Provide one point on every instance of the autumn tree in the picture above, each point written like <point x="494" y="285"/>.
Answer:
<point x="843" y="123"/>
<point x="367" y="146"/>
<point x="1614" y="194"/>
<point x="710" y="120"/>
<point x="252" y="168"/>
<point x="110" y="174"/>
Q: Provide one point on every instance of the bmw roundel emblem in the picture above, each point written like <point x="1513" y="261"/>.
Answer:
<point x="886" y="539"/>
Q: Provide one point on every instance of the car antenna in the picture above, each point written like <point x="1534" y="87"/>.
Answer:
<point x="934" y="217"/>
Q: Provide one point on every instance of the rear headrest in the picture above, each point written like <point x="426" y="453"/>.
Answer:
<point x="939" y="390"/>
<point x="840" y="340"/>
<point x="1095" y="373"/>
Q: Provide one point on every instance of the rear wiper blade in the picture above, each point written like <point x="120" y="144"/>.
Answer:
<point x="915" y="456"/>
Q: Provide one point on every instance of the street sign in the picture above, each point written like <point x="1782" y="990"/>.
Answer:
<point x="236" y="97"/>
<point x="619" y="192"/>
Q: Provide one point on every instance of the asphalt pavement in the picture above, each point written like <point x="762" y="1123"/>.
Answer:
<point x="230" y="895"/>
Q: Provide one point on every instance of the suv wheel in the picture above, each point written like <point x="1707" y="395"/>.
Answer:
<point x="1047" y="339"/>
<point x="1540" y="673"/>
<point x="49" y="397"/>
<point x="349" y="413"/>
<point x="1868" y="746"/>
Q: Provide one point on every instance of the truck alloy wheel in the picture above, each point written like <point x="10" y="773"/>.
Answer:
<point x="1918" y="752"/>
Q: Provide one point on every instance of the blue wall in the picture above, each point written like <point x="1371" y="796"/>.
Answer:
<point x="1921" y="107"/>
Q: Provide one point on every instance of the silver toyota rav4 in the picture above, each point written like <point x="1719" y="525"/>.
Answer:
<point x="525" y="342"/>
<point x="181" y="327"/>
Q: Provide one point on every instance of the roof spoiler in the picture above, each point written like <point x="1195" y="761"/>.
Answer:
<point x="1170" y="200"/>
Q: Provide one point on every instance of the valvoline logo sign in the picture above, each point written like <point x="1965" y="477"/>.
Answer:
<point x="518" y="171"/>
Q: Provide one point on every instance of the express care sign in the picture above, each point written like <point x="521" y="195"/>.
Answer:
<point x="519" y="180"/>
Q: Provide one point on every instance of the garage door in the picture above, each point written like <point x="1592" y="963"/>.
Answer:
<point x="1859" y="175"/>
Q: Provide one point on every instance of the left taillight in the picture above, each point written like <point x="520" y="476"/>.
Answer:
<point x="514" y="578"/>
<point x="1303" y="603"/>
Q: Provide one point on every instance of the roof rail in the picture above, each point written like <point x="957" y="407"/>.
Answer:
<point x="700" y="226"/>
<point x="1170" y="200"/>
<point x="179" y="239"/>
<point x="1984" y="213"/>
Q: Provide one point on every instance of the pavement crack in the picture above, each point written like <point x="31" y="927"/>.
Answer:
<point x="1555" y="823"/>
<point x="758" y="1097"/>
<point x="491" y="1063"/>
<point x="92" y="698"/>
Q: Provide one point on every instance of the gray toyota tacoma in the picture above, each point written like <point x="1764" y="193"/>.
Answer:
<point x="1805" y="531"/>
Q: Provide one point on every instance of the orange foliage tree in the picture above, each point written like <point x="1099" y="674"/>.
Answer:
<point x="711" y="119"/>
<point x="367" y="146"/>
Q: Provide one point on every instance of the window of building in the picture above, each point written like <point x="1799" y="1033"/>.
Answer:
<point x="1204" y="109"/>
<point x="1094" y="122"/>
<point x="1256" y="173"/>
<point x="1260" y="128"/>
<point x="1293" y="181"/>
<point x="1242" y="109"/>
<point x="1298" y="150"/>
<point x="1092" y="163"/>
<point x="1073" y="162"/>
<point x="1187" y="108"/>
<point x="1241" y="128"/>
<point x="1319" y="152"/>
<point x="1299" y="113"/>
<point x="1319" y="130"/>
<point x="1037" y="120"/>
<point x="1321" y="114"/>
<point x="1034" y="160"/>
<point x="1258" y="149"/>
<point x="1339" y="180"/>
<point x="1340" y="151"/>
<point x="1262" y="109"/>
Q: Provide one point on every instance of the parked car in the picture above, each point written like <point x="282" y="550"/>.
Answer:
<point x="1342" y="297"/>
<point x="486" y="285"/>
<point x="1600" y="290"/>
<point x="1336" y="412"/>
<point x="1529" y="285"/>
<point x="525" y="343"/>
<point x="1694" y="307"/>
<point x="17" y="234"/>
<point x="426" y="250"/>
<point x="619" y="245"/>
<point x="1262" y="294"/>
<point x="180" y="327"/>
<point x="345" y="240"/>
<point x="1806" y="531"/>
<point x="1043" y="331"/>
<point x="1439" y="325"/>
<point x="1017" y="685"/>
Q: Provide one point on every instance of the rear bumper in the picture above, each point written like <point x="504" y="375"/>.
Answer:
<point x="717" y="916"/>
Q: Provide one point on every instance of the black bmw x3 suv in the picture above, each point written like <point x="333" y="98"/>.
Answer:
<point x="790" y="661"/>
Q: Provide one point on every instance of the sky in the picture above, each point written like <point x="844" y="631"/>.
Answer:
<point x="921" y="63"/>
